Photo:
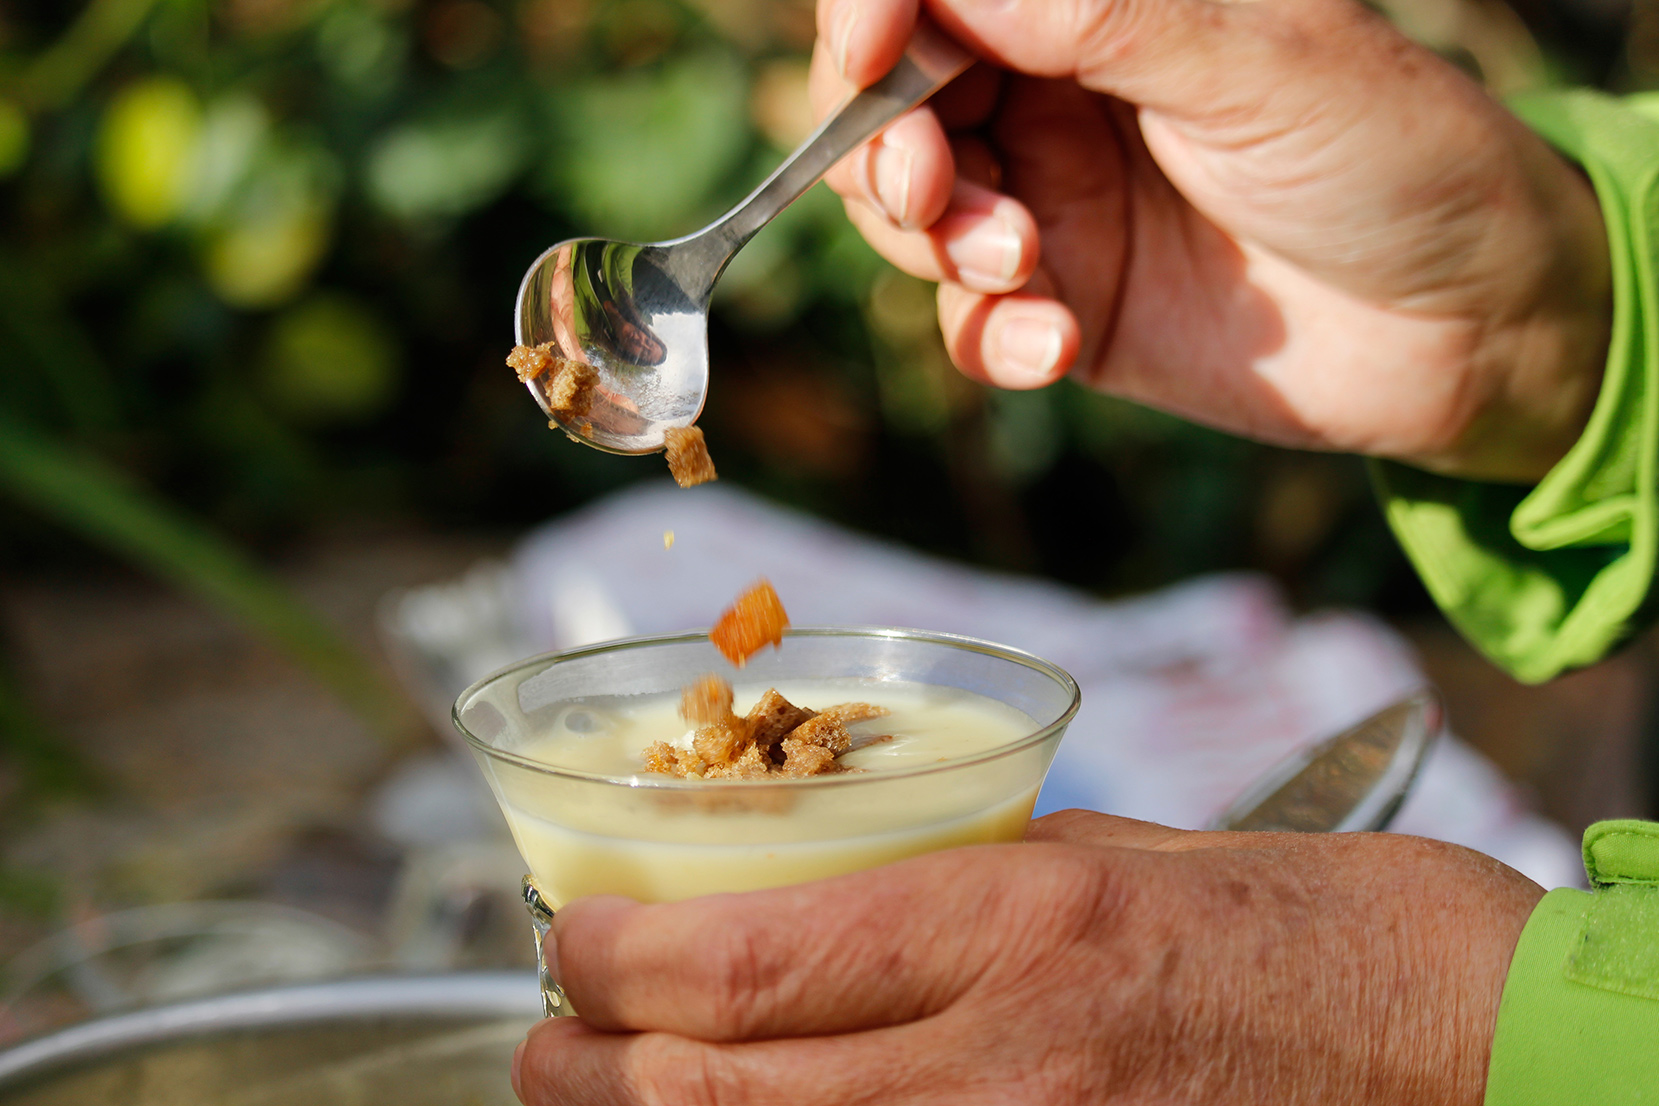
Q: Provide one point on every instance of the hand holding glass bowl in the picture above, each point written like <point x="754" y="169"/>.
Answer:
<point x="657" y="839"/>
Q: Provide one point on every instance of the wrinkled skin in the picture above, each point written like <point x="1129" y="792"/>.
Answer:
<point x="1104" y="961"/>
<point x="1276" y="217"/>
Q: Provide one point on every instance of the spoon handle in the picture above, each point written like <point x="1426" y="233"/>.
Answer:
<point x="931" y="61"/>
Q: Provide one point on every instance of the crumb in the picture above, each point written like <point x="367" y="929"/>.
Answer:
<point x="751" y="764"/>
<point x="757" y="619"/>
<point x="851" y="714"/>
<point x="668" y="539"/>
<point x="688" y="456"/>
<point x="570" y="392"/>
<point x="707" y="702"/>
<point x="662" y="757"/>
<point x="802" y="759"/>
<point x="772" y="717"/>
<point x="775" y="739"/>
<point x="531" y="361"/>
<point x="722" y="744"/>
<point x="823" y="730"/>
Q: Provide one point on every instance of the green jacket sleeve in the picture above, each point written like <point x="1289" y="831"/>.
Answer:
<point x="1552" y="577"/>
<point x="1547" y="578"/>
<point x="1579" y="1018"/>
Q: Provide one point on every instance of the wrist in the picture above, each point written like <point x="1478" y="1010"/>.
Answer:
<point x="1460" y="954"/>
<point x="1536" y="370"/>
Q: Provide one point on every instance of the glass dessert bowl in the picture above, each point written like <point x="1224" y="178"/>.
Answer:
<point x="959" y="761"/>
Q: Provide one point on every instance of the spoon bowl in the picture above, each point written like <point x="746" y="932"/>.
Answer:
<point x="623" y="309"/>
<point x="638" y="313"/>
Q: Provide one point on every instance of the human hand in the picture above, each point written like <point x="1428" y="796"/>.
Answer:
<point x="1104" y="961"/>
<point x="1279" y="217"/>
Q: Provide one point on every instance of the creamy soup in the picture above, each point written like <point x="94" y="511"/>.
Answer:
<point x="655" y="844"/>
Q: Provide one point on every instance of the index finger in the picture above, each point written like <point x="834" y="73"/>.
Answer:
<point x="871" y="949"/>
<point x="864" y="38"/>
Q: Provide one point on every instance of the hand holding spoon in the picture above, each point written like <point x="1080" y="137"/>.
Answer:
<point x="638" y="314"/>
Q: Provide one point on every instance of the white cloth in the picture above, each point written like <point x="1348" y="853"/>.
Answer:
<point x="1188" y="693"/>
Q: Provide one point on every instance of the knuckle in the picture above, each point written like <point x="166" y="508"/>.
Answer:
<point x="672" y="1071"/>
<point x="1080" y="896"/>
<point x="743" y="978"/>
<point x="1108" y="30"/>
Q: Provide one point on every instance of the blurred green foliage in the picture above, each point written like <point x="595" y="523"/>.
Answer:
<point x="257" y="259"/>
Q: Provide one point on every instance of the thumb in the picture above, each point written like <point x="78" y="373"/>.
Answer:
<point x="1157" y="52"/>
<point x="1183" y="58"/>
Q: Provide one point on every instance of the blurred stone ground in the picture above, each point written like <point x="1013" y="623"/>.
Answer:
<point x="225" y="773"/>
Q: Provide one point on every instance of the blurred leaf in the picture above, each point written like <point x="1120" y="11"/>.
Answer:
<point x="780" y="104"/>
<point x="361" y="47"/>
<point x="49" y="767"/>
<point x="146" y="156"/>
<point x="14" y="138"/>
<point x="59" y="73"/>
<point x="640" y="155"/>
<point x="234" y="130"/>
<point x="264" y="261"/>
<point x="103" y="505"/>
<point x="269" y="470"/>
<point x="462" y="34"/>
<point x="447" y="167"/>
<point x="767" y="284"/>
<point x="900" y="309"/>
<point x="1106" y="426"/>
<point x="1024" y="432"/>
<point x="269" y="237"/>
<point x="38" y="334"/>
<point x="846" y="265"/>
<point x="330" y="359"/>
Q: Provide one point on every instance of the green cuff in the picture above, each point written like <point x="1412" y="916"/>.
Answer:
<point x="1552" y="577"/>
<point x="1579" y="1019"/>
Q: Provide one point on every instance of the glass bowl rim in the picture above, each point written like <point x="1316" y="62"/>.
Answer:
<point x="686" y="637"/>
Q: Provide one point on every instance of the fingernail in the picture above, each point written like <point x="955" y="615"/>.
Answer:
<point x="518" y="1058"/>
<point x="841" y="34"/>
<point x="988" y="254"/>
<point x="1029" y="348"/>
<point x="887" y="181"/>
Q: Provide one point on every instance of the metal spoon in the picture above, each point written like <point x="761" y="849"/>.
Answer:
<point x="1355" y="780"/>
<point x="639" y="313"/>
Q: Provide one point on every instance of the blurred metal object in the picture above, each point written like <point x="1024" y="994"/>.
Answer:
<point x="416" y="1041"/>
<point x="638" y="314"/>
<point x="172" y="951"/>
<point x="1355" y="780"/>
<point x="554" y="1004"/>
<point x="443" y="636"/>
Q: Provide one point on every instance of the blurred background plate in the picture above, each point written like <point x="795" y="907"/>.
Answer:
<point x="416" y="1041"/>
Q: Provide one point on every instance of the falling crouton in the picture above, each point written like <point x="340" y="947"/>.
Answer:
<point x="688" y="456"/>
<point x="757" y="619"/>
